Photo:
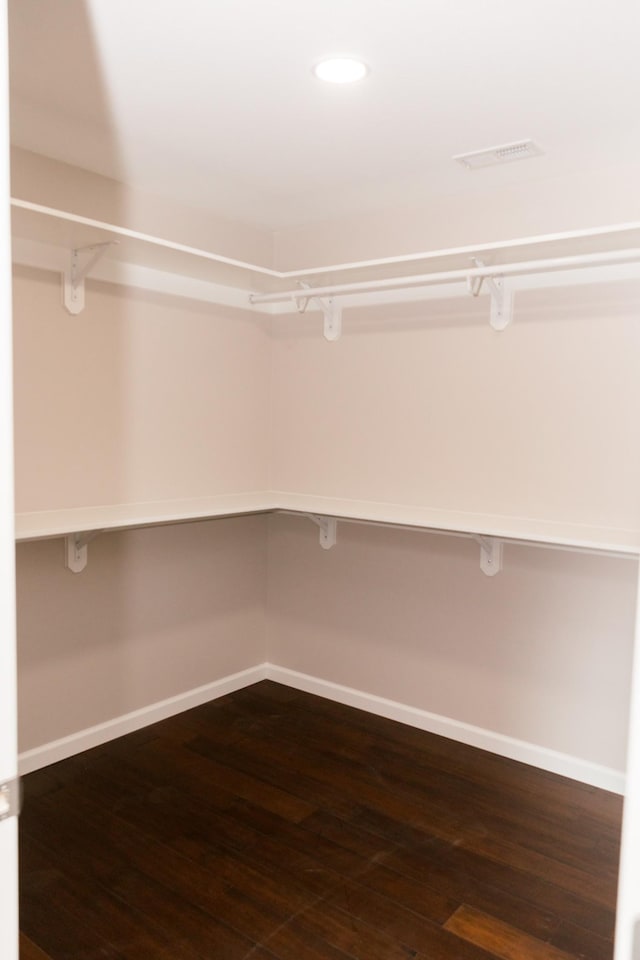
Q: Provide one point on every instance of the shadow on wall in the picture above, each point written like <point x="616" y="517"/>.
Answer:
<point x="86" y="132"/>
<point x="71" y="403"/>
<point x="70" y="374"/>
<point x="156" y="613"/>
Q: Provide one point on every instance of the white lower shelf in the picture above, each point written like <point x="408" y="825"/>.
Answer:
<point x="522" y="529"/>
<point x="45" y="524"/>
<point x="60" y="523"/>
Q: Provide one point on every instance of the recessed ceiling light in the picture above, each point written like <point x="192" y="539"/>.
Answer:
<point x="341" y="70"/>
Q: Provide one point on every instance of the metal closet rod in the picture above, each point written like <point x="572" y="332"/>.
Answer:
<point x="454" y="276"/>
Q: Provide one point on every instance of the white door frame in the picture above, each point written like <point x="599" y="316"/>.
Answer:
<point x="627" y="940"/>
<point x="8" y="695"/>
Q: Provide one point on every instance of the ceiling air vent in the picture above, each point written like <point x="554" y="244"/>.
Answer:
<point x="505" y="153"/>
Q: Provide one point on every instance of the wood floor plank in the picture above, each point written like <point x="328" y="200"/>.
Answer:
<point x="253" y="835"/>
<point x="367" y="845"/>
<point x="272" y="762"/>
<point x="293" y="941"/>
<point x="413" y="893"/>
<point x="338" y="786"/>
<point x="448" y="754"/>
<point x="499" y="938"/>
<point x="390" y="916"/>
<point x="29" y="950"/>
<point x="222" y="782"/>
<point x="583" y="943"/>
<point x="109" y="853"/>
<point x="450" y="863"/>
<point x="598" y="889"/>
<point x="273" y="825"/>
<point x="467" y="810"/>
<point x="79" y="925"/>
<point x="469" y="786"/>
<point x="359" y="939"/>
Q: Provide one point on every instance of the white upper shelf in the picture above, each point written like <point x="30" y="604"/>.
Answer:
<point x="68" y="231"/>
<point x="618" y="243"/>
<point x="60" y="523"/>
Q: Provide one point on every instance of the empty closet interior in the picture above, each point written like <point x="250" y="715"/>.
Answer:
<point x="374" y="438"/>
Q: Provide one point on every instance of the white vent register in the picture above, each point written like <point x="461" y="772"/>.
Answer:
<point x="506" y="153"/>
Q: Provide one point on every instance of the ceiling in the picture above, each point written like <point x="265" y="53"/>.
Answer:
<point x="213" y="102"/>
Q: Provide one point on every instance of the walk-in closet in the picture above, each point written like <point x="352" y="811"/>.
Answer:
<point x="326" y="467"/>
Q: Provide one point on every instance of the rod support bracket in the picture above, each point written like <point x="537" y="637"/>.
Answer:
<point x="501" y="303"/>
<point x="490" y="555"/>
<point x="76" y="552"/>
<point x="501" y="294"/>
<point x="331" y="310"/>
<point x="328" y="530"/>
<point x="81" y="261"/>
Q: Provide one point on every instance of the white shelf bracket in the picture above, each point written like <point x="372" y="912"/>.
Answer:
<point x="490" y="555"/>
<point x="79" y="266"/>
<point x="328" y="530"/>
<point x="501" y="297"/>
<point x="76" y="553"/>
<point x="501" y="303"/>
<point x="331" y="311"/>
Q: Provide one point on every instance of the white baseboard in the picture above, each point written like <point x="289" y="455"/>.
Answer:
<point x="567" y="766"/>
<point x="552" y="760"/>
<point x="94" y="736"/>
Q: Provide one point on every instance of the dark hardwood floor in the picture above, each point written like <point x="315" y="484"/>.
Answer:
<point x="274" y="825"/>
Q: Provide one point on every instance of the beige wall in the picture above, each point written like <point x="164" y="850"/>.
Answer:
<point x="540" y="653"/>
<point x="156" y="613"/>
<point x="497" y="213"/>
<point x="138" y="398"/>
<point x="425" y="404"/>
